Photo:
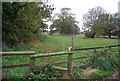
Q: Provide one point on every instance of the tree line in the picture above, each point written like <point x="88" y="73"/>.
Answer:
<point x="98" y="22"/>
<point x="23" y="22"/>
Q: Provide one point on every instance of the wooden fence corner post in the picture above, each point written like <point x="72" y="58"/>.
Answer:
<point x="95" y="51"/>
<point x="31" y="64"/>
<point x="109" y="48"/>
<point x="70" y="69"/>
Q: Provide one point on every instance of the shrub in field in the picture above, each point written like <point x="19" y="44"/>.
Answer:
<point x="17" y="47"/>
<point x="43" y="73"/>
<point x="11" y="75"/>
<point x="108" y="60"/>
<point x="100" y="74"/>
<point x="115" y="62"/>
<point x="112" y="57"/>
<point x="103" y="63"/>
<point x="89" y="34"/>
<point x="77" y="73"/>
<point x="38" y="74"/>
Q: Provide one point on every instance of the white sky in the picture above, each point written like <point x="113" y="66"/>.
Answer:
<point x="80" y="7"/>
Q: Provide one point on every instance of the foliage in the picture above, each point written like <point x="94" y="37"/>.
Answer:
<point x="107" y="24"/>
<point x="44" y="27"/>
<point x="57" y="43"/>
<point x="22" y="21"/>
<point x="17" y="47"/>
<point x="113" y="58"/>
<point x="65" y="23"/>
<point x="77" y="73"/>
<point x="116" y="32"/>
<point x="12" y="74"/>
<point x="43" y="73"/>
<point x="103" y="63"/>
<point x="106" y="64"/>
<point x="100" y="74"/>
<point x="91" y="17"/>
<point x="108" y="61"/>
<point x="89" y="34"/>
<point x="100" y="22"/>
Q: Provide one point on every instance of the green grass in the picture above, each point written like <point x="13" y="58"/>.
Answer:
<point x="101" y="74"/>
<point x="56" y="43"/>
<point x="79" y="42"/>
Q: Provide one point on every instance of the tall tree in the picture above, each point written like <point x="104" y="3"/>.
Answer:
<point x="106" y="24"/>
<point x="109" y="24"/>
<point x="22" y="20"/>
<point x="91" y="17"/>
<point x="116" y="21"/>
<point x="65" y="23"/>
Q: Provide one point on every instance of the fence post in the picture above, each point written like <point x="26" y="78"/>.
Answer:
<point x="70" y="56"/>
<point x="94" y="56"/>
<point x="31" y="64"/>
<point x="95" y="51"/>
<point x="72" y="41"/>
<point x="109" y="48"/>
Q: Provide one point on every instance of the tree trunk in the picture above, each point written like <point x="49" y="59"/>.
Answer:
<point x="93" y="35"/>
<point x="109" y="34"/>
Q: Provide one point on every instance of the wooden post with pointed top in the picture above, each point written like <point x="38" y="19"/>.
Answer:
<point x="70" y="56"/>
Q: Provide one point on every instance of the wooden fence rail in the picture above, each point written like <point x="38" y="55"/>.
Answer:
<point x="50" y="54"/>
<point x="86" y="56"/>
<point x="70" y="55"/>
<point x="15" y="66"/>
<point x="56" y="63"/>
<point x="17" y="53"/>
<point x="33" y="56"/>
<point x="94" y="48"/>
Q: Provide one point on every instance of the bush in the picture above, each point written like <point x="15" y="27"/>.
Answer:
<point x="100" y="74"/>
<point x="113" y="58"/>
<point x="103" y="63"/>
<point x="89" y="34"/>
<point x="43" y="73"/>
<point x="77" y="73"/>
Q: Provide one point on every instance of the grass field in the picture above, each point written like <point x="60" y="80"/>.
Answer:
<point x="55" y="43"/>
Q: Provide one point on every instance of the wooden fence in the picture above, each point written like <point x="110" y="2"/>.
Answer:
<point x="16" y="53"/>
<point x="64" y="70"/>
<point x="33" y="56"/>
<point x="69" y="62"/>
<point x="95" y="48"/>
<point x="92" y="48"/>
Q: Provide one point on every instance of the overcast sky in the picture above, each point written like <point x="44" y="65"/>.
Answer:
<point x="80" y="7"/>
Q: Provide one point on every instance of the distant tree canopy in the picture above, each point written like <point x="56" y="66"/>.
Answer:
<point x="23" y="21"/>
<point x="97" y="21"/>
<point x="107" y="24"/>
<point x="90" y="19"/>
<point x="65" y="23"/>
